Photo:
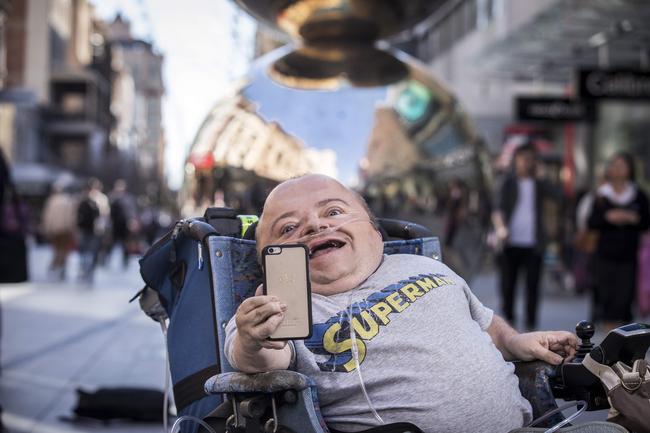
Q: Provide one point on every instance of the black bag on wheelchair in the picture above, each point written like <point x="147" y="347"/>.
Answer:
<point x="137" y="404"/>
<point x="177" y="271"/>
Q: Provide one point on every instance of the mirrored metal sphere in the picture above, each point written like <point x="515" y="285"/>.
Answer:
<point x="405" y="144"/>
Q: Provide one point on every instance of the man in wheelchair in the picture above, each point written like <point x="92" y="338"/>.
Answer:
<point x="395" y="338"/>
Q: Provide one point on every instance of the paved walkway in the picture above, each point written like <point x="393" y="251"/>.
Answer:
<point x="61" y="336"/>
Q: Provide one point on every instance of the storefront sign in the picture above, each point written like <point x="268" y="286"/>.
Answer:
<point x="552" y="109"/>
<point x="615" y="84"/>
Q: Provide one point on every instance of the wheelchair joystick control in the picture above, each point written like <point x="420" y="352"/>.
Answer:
<point x="585" y="330"/>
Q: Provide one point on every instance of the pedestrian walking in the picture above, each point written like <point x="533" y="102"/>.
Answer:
<point x="87" y="216"/>
<point x="103" y="221"/>
<point x="58" y="225"/>
<point x="456" y="210"/>
<point x="620" y="214"/>
<point x="519" y="227"/>
<point x="122" y="218"/>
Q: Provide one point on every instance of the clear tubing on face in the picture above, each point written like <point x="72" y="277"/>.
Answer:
<point x="324" y="232"/>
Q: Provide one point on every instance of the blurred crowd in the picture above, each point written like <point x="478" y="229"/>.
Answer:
<point x="86" y="219"/>
<point x="589" y="243"/>
<point x="593" y="243"/>
<point x="95" y="223"/>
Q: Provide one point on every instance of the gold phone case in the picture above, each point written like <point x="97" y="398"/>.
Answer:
<point x="286" y="275"/>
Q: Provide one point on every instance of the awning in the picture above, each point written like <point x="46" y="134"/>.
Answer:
<point x="569" y="35"/>
<point x="32" y="178"/>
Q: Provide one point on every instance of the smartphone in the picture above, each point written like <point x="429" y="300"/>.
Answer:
<point x="286" y="276"/>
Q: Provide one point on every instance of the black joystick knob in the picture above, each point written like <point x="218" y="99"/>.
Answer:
<point x="585" y="331"/>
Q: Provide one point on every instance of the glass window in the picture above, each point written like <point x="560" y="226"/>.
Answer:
<point x="622" y="126"/>
<point x="448" y="139"/>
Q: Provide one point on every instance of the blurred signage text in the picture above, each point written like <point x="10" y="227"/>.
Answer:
<point x="614" y="83"/>
<point x="552" y="109"/>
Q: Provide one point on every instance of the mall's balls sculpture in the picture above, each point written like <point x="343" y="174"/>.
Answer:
<point x="399" y="136"/>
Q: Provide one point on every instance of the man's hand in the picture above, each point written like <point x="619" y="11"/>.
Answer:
<point x="500" y="229"/>
<point x="548" y="346"/>
<point x="502" y="233"/>
<point x="257" y="318"/>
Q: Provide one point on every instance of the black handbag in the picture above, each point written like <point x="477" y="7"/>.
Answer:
<point x="13" y="258"/>
<point x="135" y="404"/>
<point x="13" y="247"/>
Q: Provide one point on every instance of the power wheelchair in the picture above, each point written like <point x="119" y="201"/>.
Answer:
<point x="198" y="274"/>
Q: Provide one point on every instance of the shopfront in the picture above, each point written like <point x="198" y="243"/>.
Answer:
<point x="622" y="101"/>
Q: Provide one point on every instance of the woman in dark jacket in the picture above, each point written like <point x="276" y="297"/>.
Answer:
<point x="620" y="213"/>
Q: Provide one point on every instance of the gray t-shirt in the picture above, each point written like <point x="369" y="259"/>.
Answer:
<point x="424" y="354"/>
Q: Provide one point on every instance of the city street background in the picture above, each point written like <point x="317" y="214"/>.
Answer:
<point x="120" y="117"/>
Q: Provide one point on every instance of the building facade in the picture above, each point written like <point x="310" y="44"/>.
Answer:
<point x="502" y="56"/>
<point x="136" y="103"/>
<point x="238" y="156"/>
<point x="76" y="101"/>
<point x="54" y="103"/>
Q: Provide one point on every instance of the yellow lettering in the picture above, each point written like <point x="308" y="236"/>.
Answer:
<point x="439" y="282"/>
<point x="396" y="301"/>
<point x="335" y="347"/>
<point x="426" y="283"/>
<point x="382" y="310"/>
<point x="329" y="340"/>
<point x="370" y="323"/>
<point x="411" y="291"/>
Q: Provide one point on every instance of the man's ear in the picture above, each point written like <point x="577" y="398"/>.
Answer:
<point x="383" y="235"/>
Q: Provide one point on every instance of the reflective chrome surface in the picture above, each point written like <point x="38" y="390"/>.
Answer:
<point x="401" y="144"/>
<point x="325" y="66"/>
<point x="340" y="19"/>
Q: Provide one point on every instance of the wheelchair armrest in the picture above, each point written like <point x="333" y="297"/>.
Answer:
<point x="535" y="386"/>
<point x="266" y="383"/>
<point x="282" y="397"/>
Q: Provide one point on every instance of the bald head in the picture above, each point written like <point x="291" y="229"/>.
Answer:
<point x="302" y="185"/>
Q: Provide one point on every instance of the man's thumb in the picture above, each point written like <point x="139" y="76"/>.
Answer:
<point x="550" y="357"/>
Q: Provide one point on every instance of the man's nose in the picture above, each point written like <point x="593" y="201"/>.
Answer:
<point x="315" y="225"/>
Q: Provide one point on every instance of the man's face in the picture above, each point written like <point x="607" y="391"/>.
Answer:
<point x="618" y="170"/>
<point x="344" y="246"/>
<point x="525" y="163"/>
